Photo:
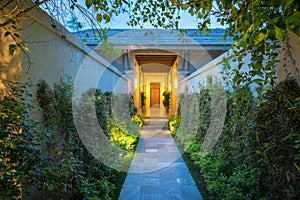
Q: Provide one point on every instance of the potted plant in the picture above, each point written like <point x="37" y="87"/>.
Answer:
<point x="143" y="101"/>
<point x="166" y="101"/>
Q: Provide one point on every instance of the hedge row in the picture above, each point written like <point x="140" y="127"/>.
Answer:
<point x="49" y="154"/>
<point x="257" y="156"/>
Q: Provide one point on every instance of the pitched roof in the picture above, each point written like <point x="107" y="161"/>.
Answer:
<point x="156" y="36"/>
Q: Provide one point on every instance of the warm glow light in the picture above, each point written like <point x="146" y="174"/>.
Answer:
<point x="135" y="83"/>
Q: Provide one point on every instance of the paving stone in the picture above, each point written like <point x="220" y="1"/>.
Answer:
<point x="186" y="192"/>
<point x="151" y="181"/>
<point x="149" y="175"/>
<point x="151" y="197"/>
<point x="152" y="189"/>
<point x="170" y="197"/>
<point x="130" y="192"/>
<point x="157" y="170"/>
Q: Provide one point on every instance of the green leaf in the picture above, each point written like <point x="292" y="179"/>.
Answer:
<point x="23" y="46"/>
<point x="298" y="43"/>
<point x="280" y="34"/>
<point x="236" y="43"/>
<point x="6" y="33"/>
<point x="185" y="6"/>
<point x="88" y="3"/>
<point x="12" y="48"/>
<point x="106" y="17"/>
<point x="287" y="4"/>
<point x="259" y="38"/>
<point x="11" y="171"/>
<point x="99" y="17"/>
<point x="293" y="22"/>
<point x="167" y="14"/>
<point x="258" y="81"/>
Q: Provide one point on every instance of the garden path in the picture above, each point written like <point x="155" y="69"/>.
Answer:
<point x="157" y="170"/>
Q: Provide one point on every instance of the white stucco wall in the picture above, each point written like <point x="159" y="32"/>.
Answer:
<point x="215" y="67"/>
<point x="212" y="69"/>
<point x="56" y="53"/>
<point x="292" y="61"/>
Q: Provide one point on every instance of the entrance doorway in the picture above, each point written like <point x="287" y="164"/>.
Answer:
<point x="154" y="94"/>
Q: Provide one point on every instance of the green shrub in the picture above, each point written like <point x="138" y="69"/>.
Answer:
<point x="125" y="123"/>
<point x="257" y="155"/>
<point x="138" y="120"/>
<point x="20" y="142"/>
<point x="166" y="101"/>
<point x="74" y="171"/>
<point x="123" y="139"/>
<point x="276" y="141"/>
<point x="143" y="101"/>
<point x="173" y="125"/>
<point x="188" y="119"/>
<point x="55" y="159"/>
<point x="194" y="150"/>
<point x="63" y="151"/>
<point x="96" y="189"/>
<point x="103" y="109"/>
<point x="241" y="182"/>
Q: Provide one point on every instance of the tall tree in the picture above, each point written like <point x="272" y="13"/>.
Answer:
<point x="257" y="27"/>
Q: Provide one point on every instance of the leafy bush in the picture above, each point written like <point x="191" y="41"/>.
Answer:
<point x="166" y="101"/>
<point x="138" y="120"/>
<point x="19" y="143"/>
<point x="52" y="156"/>
<point x="96" y="189"/>
<point x="173" y="125"/>
<point x="257" y="155"/>
<point x="75" y="172"/>
<point x="123" y="139"/>
<point x="103" y="109"/>
<point x="240" y="182"/>
<point x="120" y="122"/>
<point x="71" y="170"/>
<point x="188" y="119"/>
<point x="276" y="141"/>
<point x="64" y="151"/>
<point x="143" y="101"/>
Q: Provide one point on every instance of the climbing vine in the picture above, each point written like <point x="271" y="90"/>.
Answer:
<point x="20" y="142"/>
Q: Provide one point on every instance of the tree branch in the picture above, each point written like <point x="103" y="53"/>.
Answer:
<point x="21" y="13"/>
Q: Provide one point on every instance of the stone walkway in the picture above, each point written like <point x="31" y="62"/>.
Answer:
<point x="157" y="170"/>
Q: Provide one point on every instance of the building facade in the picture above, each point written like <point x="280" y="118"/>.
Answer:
<point x="156" y="60"/>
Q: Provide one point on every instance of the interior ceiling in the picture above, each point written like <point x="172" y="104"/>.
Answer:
<point x="155" y="63"/>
